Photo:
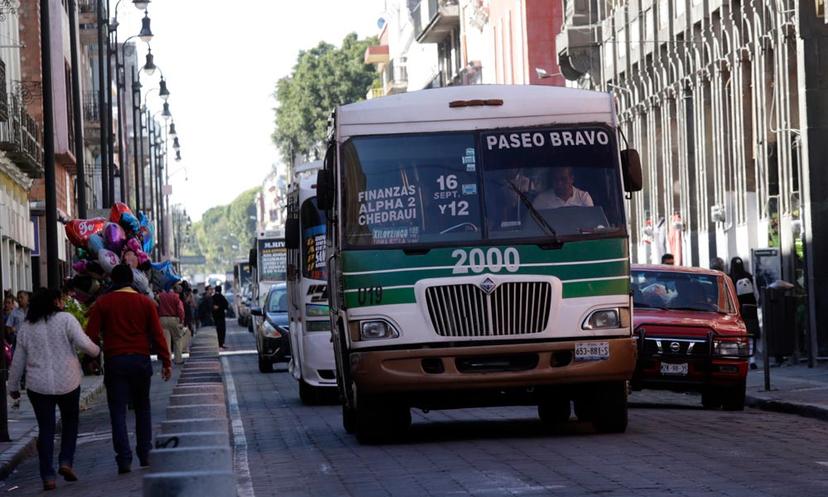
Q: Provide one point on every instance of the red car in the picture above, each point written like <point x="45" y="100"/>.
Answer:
<point x="690" y="333"/>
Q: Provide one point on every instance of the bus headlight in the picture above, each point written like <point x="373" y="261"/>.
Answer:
<point x="731" y="347"/>
<point x="376" y="330"/>
<point x="603" y="319"/>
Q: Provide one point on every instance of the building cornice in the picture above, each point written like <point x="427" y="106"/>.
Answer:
<point x="12" y="171"/>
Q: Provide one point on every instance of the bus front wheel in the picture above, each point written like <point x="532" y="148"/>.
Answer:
<point x="378" y="422"/>
<point x="349" y="419"/>
<point x="554" y="411"/>
<point x="609" y="407"/>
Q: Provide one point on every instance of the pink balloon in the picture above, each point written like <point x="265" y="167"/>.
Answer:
<point x="79" y="266"/>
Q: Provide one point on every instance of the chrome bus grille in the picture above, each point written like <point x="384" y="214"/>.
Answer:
<point x="517" y="308"/>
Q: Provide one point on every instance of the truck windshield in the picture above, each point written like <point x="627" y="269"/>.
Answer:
<point x="467" y="187"/>
<point x="671" y="290"/>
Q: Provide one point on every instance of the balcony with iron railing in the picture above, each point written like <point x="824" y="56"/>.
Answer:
<point x="434" y="20"/>
<point x="91" y="110"/>
<point x="20" y="138"/>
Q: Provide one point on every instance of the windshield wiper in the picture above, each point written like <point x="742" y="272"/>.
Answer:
<point x="537" y="216"/>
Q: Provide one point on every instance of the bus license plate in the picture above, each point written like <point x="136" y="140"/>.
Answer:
<point x="591" y="351"/>
<point x="674" y="369"/>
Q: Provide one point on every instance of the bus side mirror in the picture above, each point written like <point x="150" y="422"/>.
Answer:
<point x="252" y="258"/>
<point x="292" y="233"/>
<point x="324" y="190"/>
<point x="631" y="167"/>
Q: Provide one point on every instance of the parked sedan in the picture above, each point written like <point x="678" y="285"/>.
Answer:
<point x="691" y="336"/>
<point x="272" y="339"/>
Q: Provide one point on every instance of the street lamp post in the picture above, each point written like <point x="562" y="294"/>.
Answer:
<point x="105" y="128"/>
<point x="77" y="115"/>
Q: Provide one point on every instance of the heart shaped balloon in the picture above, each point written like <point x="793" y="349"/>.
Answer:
<point x="118" y="210"/>
<point x="79" y="230"/>
<point x="114" y="237"/>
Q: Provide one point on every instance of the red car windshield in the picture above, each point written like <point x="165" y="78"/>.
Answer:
<point x="671" y="290"/>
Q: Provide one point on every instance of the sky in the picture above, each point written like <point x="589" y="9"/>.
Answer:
<point x="221" y="64"/>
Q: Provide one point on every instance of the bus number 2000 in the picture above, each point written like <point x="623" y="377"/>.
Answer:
<point x="493" y="260"/>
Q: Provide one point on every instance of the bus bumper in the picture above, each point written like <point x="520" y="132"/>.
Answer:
<point x="486" y="367"/>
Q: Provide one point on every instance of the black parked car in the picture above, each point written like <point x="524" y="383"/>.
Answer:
<point x="272" y="328"/>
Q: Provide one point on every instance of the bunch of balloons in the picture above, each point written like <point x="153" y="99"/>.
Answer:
<point x="102" y="244"/>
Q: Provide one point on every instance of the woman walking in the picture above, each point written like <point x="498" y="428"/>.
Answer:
<point x="46" y="352"/>
<point x="745" y="292"/>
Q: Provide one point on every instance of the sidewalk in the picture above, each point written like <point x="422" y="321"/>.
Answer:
<point x="23" y="425"/>
<point x="794" y="390"/>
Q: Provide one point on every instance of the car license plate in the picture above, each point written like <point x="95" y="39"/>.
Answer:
<point x="674" y="369"/>
<point x="591" y="351"/>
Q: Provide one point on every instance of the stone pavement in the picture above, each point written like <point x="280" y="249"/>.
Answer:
<point x="794" y="389"/>
<point x="94" y="458"/>
<point x="23" y="425"/>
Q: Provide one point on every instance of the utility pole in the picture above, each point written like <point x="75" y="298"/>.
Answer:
<point x="52" y="269"/>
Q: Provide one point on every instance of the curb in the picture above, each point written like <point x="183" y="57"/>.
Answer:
<point x="25" y="446"/>
<point x="197" y="415"/>
<point x="786" y="407"/>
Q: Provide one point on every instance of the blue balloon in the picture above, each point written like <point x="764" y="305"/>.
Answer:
<point x="148" y="237"/>
<point x="130" y="223"/>
<point x="143" y="220"/>
<point x="164" y="275"/>
<point x="95" y="244"/>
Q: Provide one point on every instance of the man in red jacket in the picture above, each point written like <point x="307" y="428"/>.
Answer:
<point x="129" y="325"/>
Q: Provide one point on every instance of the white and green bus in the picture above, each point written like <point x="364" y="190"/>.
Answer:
<point x="478" y="254"/>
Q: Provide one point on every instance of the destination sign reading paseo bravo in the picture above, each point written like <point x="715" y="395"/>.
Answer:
<point x="547" y="138"/>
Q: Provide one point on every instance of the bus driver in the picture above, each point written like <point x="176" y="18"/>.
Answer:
<point x="563" y="192"/>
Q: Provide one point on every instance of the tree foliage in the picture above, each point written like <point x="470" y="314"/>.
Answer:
<point x="225" y="233"/>
<point x="323" y="77"/>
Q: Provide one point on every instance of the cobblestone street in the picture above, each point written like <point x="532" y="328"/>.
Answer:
<point x="672" y="447"/>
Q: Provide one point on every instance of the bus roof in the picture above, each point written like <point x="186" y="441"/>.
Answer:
<point x="428" y="110"/>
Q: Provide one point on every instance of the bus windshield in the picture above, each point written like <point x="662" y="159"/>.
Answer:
<point x="472" y="186"/>
<point x="314" y="224"/>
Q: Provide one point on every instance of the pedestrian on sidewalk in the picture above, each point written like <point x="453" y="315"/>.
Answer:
<point x="129" y="324"/>
<point x="171" y="311"/>
<point x="205" y="307"/>
<point x="220" y="306"/>
<point x="746" y="293"/>
<point x="189" y="314"/>
<point x="46" y="345"/>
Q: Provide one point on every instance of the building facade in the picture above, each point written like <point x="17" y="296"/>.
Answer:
<point x="433" y="43"/>
<point x="20" y="162"/>
<point x="271" y="203"/>
<point x="723" y="99"/>
<point x="64" y="127"/>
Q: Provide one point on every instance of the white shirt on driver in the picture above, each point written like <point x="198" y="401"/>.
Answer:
<point x="550" y="200"/>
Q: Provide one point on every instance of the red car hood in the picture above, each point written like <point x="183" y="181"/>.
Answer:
<point x="690" y="322"/>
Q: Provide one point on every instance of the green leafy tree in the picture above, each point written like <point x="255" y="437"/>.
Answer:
<point x="323" y="77"/>
<point x="224" y="233"/>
